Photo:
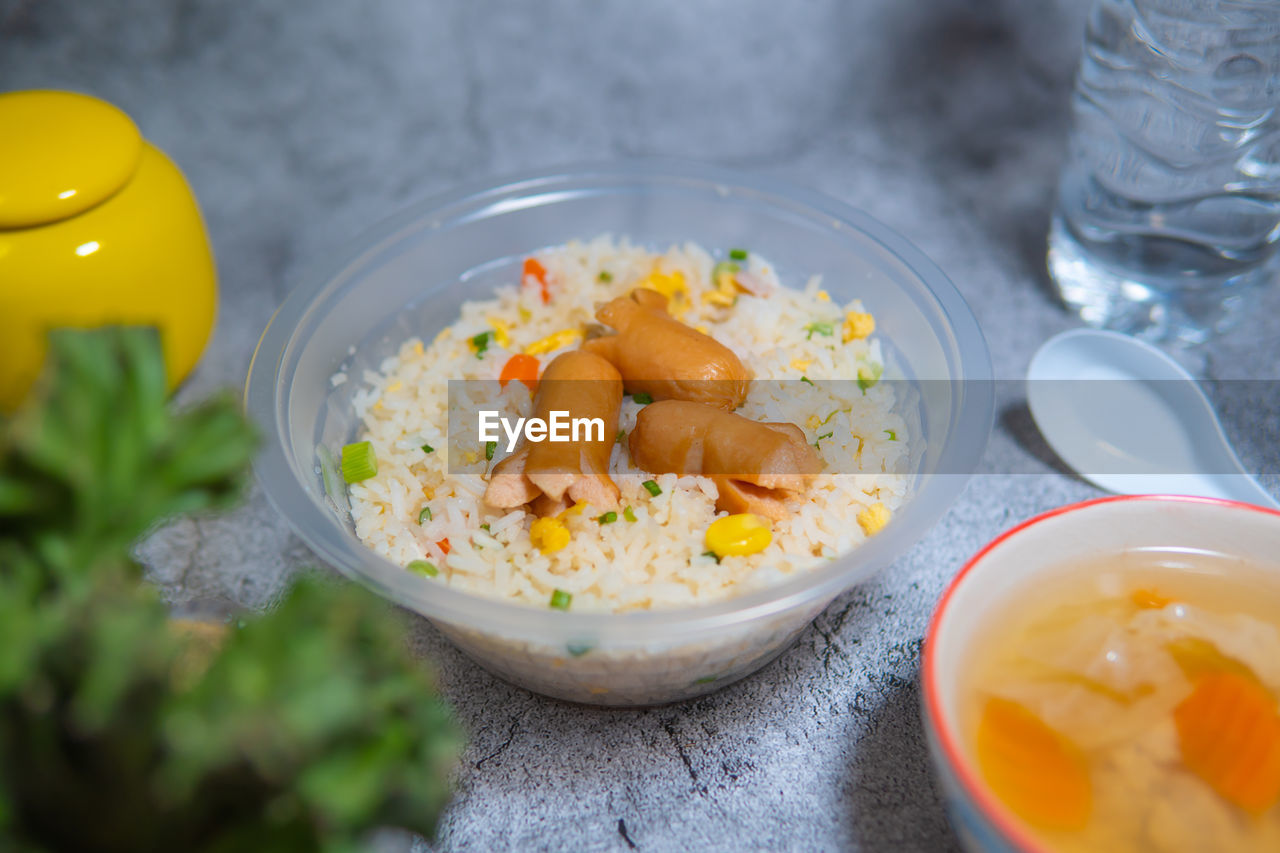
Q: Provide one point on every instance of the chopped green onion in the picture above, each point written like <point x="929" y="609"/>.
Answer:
<point x="622" y="433"/>
<point x="489" y="447"/>
<point x="628" y="514"/>
<point x="359" y="462"/>
<point x="824" y="329"/>
<point x="485" y="527"/>
<point x="560" y="600"/>
<point x="869" y="376"/>
<point x="893" y="436"/>
<point x="605" y="276"/>
<point x="821" y="437"/>
<point x="578" y="649"/>
<point x="706" y="679"/>
<point x="422" y="567"/>
<point x="738" y="254"/>
<point x="424" y="515"/>
<point x="713" y="555"/>
<point x="426" y="448"/>
<point x="608" y="518"/>
<point x="642" y="398"/>
<point x="807" y="379"/>
<point x="481" y="342"/>
<point x="823" y="422"/>
<point x="652" y="488"/>
<point x="722" y="268"/>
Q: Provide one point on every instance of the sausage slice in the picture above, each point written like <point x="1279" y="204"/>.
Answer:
<point x="662" y="357"/>
<point x="553" y="474"/>
<point x="756" y="466"/>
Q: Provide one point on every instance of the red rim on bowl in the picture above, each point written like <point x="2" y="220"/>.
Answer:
<point x="948" y="739"/>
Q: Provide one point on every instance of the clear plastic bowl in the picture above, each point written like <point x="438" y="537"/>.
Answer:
<point x="409" y="276"/>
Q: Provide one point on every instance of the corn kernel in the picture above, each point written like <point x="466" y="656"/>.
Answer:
<point x="738" y="535"/>
<point x="417" y="348"/>
<point x="501" y="332"/>
<point x="553" y="342"/>
<point x="823" y="296"/>
<point x="702" y="327"/>
<point x="801" y="363"/>
<point x="873" y="519"/>
<point x="858" y="325"/>
<point x="394" y="387"/>
<point x="668" y="284"/>
<point x="548" y="535"/>
<point x="719" y="297"/>
<point x="576" y="509"/>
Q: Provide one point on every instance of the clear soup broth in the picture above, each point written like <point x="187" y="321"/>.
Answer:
<point x="1130" y="703"/>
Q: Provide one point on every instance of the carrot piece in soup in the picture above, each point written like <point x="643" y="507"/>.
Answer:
<point x="443" y="545"/>
<point x="532" y="267"/>
<point x="1034" y="770"/>
<point x="522" y="368"/>
<point x="1230" y="737"/>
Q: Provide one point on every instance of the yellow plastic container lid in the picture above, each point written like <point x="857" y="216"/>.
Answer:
<point x="61" y="153"/>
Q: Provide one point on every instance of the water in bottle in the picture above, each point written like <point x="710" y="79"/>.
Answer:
<point x="1168" y="213"/>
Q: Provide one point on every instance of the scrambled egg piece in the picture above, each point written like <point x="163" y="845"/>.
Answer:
<point x="873" y="519"/>
<point x="857" y="325"/>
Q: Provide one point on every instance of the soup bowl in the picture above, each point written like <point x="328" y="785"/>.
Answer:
<point x="1007" y="571"/>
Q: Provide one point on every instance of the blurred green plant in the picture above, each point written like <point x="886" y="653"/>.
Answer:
<point x="122" y="730"/>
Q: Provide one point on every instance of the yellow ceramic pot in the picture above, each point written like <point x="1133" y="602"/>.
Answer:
<point x="97" y="227"/>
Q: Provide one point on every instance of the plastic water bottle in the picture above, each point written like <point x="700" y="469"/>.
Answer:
<point x="1168" y="213"/>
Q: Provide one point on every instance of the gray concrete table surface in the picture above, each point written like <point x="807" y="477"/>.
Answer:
<point x="300" y="122"/>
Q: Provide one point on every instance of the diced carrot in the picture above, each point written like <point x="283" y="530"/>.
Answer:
<point x="532" y="267"/>
<point x="1034" y="770"/>
<point x="1230" y="737"/>
<point x="523" y="368"/>
<point x="1149" y="599"/>
<point x="443" y="545"/>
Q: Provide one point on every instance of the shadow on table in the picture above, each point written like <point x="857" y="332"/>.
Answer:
<point x="979" y="94"/>
<point x="891" y="797"/>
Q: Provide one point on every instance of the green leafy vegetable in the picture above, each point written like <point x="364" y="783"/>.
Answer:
<point x="629" y="514"/>
<point x="560" y="600"/>
<point x="489" y="448"/>
<point x="605" y="276"/>
<point x="807" y="379"/>
<point x="893" y="436"/>
<point x="424" y="514"/>
<point x="608" y="518"/>
<point x="713" y="555"/>
<point x="426" y="448"/>
<point x="738" y="254"/>
<point x="120" y="729"/>
<point x="652" y="488"/>
<point x="642" y="398"/>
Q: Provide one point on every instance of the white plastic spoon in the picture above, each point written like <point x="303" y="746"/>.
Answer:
<point x="1129" y="419"/>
